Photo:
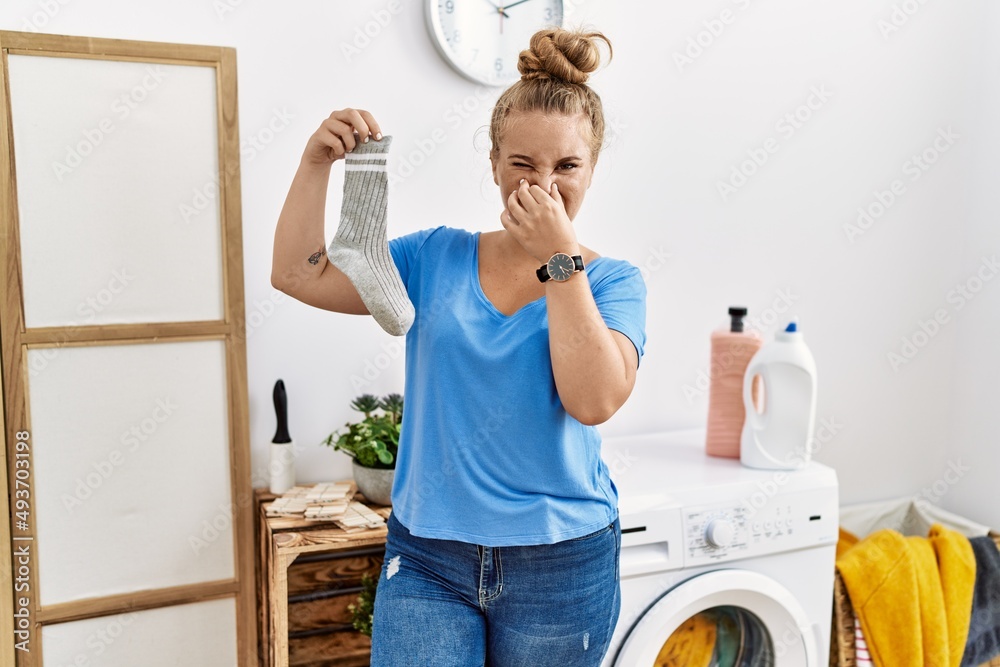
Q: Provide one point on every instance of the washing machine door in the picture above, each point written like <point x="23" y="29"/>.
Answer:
<point x="723" y="618"/>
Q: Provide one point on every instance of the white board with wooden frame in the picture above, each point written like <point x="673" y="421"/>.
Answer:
<point x="124" y="361"/>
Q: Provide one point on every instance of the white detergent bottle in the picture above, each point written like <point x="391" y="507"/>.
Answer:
<point x="778" y="437"/>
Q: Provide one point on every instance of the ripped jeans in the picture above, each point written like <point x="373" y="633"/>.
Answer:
<point x="444" y="603"/>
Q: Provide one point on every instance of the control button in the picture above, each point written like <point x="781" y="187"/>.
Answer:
<point x="719" y="533"/>
<point x="756" y="525"/>
<point x="779" y="523"/>
<point x="768" y="525"/>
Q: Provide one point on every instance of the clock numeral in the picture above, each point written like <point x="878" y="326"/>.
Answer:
<point x="456" y="38"/>
<point x="548" y="13"/>
<point x="498" y="65"/>
<point x="449" y="6"/>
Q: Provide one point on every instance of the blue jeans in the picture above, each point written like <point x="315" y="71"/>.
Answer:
<point x="442" y="603"/>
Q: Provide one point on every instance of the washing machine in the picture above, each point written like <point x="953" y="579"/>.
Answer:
<point x="720" y="564"/>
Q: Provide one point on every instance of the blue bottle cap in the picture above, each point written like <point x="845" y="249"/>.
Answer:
<point x="792" y="327"/>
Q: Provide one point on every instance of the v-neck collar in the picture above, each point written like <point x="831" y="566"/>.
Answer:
<point x="477" y="286"/>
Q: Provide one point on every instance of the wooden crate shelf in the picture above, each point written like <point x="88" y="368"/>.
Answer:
<point x="308" y="573"/>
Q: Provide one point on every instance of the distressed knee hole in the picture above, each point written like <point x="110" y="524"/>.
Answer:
<point x="393" y="567"/>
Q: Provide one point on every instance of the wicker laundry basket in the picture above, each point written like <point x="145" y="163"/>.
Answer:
<point x="842" y="649"/>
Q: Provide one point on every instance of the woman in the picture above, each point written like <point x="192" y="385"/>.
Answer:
<point x="504" y="540"/>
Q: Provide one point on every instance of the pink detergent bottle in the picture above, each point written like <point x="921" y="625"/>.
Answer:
<point x="732" y="350"/>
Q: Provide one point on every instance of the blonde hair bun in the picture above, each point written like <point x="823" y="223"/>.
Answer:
<point x="561" y="55"/>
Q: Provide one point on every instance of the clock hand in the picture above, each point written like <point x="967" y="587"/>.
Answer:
<point x="514" y="4"/>
<point x="499" y="9"/>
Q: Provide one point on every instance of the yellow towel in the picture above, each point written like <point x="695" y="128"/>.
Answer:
<point x="933" y="629"/>
<point x="845" y="542"/>
<point x="912" y="596"/>
<point x="690" y="645"/>
<point x="957" y="562"/>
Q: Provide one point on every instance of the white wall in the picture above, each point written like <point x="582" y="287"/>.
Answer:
<point x="970" y="473"/>
<point x="778" y="243"/>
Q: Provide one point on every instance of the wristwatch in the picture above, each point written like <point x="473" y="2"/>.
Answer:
<point x="560" y="267"/>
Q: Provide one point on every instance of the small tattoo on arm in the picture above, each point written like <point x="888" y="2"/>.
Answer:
<point x="314" y="258"/>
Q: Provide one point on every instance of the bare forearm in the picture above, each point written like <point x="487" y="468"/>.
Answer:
<point x="592" y="376"/>
<point x="300" y="237"/>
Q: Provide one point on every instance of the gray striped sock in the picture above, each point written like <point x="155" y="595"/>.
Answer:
<point x="360" y="249"/>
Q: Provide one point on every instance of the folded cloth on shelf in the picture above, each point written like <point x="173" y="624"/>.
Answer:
<point x="912" y="595"/>
<point x="983" y="643"/>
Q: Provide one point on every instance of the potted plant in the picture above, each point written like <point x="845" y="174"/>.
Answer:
<point x="373" y="443"/>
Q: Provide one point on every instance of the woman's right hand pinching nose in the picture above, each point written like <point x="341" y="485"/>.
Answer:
<point x="339" y="134"/>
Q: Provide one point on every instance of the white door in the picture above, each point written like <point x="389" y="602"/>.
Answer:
<point x="723" y="618"/>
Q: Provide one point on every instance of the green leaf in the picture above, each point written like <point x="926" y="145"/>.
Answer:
<point x="373" y="442"/>
<point x="366" y="403"/>
<point x="362" y="613"/>
<point x="393" y="404"/>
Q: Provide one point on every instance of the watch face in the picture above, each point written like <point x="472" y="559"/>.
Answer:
<point x="560" y="267"/>
<point x="483" y="38"/>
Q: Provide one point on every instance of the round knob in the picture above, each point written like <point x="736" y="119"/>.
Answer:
<point x="719" y="533"/>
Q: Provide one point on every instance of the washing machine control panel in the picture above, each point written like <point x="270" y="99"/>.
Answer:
<point x="715" y="533"/>
<point x="720" y="532"/>
<point x="729" y="531"/>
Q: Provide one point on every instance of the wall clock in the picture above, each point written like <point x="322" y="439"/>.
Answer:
<point x="481" y="39"/>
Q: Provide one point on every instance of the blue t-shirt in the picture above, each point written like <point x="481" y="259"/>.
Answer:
<point x="487" y="454"/>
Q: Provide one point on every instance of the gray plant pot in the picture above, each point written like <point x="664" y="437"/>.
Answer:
<point x="374" y="483"/>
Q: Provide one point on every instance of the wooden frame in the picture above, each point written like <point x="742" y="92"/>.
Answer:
<point x="17" y="340"/>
